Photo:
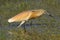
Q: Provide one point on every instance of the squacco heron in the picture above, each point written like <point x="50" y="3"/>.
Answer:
<point x="26" y="15"/>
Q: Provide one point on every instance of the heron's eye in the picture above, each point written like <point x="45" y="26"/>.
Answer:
<point x="33" y="11"/>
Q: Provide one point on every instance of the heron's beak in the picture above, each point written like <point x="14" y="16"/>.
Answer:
<point x="49" y="14"/>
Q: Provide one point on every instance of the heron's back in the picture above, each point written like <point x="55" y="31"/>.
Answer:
<point x="21" y="16"/>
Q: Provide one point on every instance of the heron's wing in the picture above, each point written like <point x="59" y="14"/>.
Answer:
<point x="22" y="16"/>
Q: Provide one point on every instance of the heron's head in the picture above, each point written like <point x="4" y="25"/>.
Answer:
<point x="42" y="11"/>
<point x="48" y="13"/>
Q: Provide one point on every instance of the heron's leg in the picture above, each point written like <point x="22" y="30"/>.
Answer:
<point x="21" y="24"/>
